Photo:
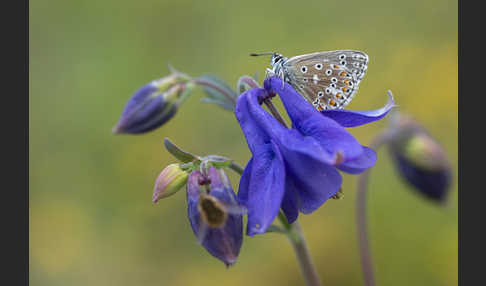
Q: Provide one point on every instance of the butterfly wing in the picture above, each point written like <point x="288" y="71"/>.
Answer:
<point x="328" y="80"/>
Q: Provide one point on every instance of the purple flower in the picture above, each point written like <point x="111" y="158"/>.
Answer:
<point x="296" y="169"/>
<point x="215" y="214"/>
<point x="419" y="158"/>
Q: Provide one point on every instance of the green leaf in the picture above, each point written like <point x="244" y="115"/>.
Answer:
<point x="177" y="152"/>
<point x="222" y="103"/>
<point x="217" y="91"/>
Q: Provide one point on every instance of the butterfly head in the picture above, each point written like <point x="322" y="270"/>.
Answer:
<point x="276" y="61"/>
<point x="275" y="58"/>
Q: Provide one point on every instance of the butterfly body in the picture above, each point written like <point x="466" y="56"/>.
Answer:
<point x="328" y="80"/>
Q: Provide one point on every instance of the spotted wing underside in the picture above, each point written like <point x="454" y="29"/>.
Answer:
<point x="328" y="80"/>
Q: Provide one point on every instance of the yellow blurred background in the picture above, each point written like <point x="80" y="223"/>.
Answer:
<point x="92" y="221"/>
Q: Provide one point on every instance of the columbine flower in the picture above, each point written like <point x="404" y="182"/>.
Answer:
<point x="296" y="169"/>
<point x="215" y="214"/>
<point x="419" y="158"/>
<point x="153" y="104"/>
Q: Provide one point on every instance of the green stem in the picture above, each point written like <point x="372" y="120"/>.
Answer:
<point x="307" y="267"/>
<point x="237" y="168"/>
<point x="361" y="225"/>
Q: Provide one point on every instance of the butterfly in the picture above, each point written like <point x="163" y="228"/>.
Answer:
<point x="327" y="80"/>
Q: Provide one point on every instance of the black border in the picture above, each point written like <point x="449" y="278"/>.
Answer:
<point x="471" y="119"/>
<point x="15" y="136"/>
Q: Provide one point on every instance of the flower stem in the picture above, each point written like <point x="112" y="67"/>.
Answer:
<point x="211" y="85"/>
<point x="307" y="267"/>
<point x="274" y="111"/>
<point x="364" y="247"/>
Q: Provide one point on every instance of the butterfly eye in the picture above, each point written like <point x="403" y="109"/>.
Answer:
<point x="320" y="94"/>
<point x="318" y="66"/>
<point x="328" y="90"/>
<point x="342" y="57"/>
<point x="334" y="80"/>
<point x="343" y="63"/>
<point x="328" y="72"/>
<point x="303" y="69"/>
<point x="333" y="85"/>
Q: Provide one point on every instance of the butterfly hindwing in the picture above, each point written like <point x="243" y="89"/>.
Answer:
<point x="328" y="80"/>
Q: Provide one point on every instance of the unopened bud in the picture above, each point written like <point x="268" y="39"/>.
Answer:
<point x="419" y="157"/>
<point x="169" y="181"/>
<point x="153" y="104"/>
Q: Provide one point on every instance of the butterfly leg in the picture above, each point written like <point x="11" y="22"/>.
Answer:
<point x="269" y="73"/>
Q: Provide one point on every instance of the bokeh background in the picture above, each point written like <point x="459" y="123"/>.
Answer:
<point x="92" y="221"/>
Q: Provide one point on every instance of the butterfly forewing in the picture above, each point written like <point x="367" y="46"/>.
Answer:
<point x="328" y="80"/>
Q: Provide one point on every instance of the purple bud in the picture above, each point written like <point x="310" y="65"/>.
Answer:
<point x="419" y="158"/>
<point x="169" y="181"/>
<point x="215" y="214"/>
<point x="153" y="104"/>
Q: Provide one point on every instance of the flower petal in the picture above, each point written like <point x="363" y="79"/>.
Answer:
<point x="266" y="188"/>
<point x="290" y="201"/>
<point x="358" y="165"/>
<point x="289" y="139"/>
<point x="314" y="181"/>
<point x="223" y="242"/>
<point x="350" y="118"/>
<point x="245" y="183"/>
<point x="309" y="122"/>
<point x="254" y="135"/>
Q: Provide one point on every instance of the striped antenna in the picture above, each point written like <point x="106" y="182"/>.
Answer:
<point x="262" y="54"/>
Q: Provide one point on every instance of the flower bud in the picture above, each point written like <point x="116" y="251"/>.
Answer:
<point x="169" y="181"/>
<point x="419" y="158"/>
<point x="153" y="104"/>
<point x="215" y="214"/>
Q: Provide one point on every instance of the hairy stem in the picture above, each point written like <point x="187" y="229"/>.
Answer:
<point x="307" y="267"/>
<point x="362" y="189"/>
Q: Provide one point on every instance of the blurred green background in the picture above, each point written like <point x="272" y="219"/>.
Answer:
<point x="92" y="221"/>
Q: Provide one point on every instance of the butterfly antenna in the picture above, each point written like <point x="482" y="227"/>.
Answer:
<point x="262" y="54"/>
